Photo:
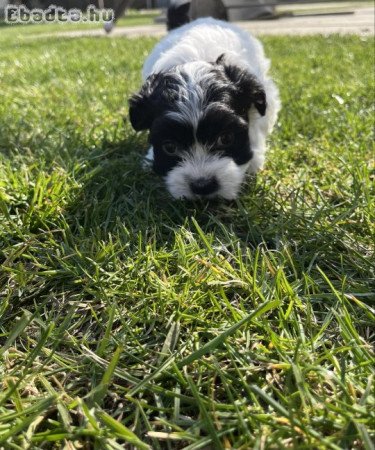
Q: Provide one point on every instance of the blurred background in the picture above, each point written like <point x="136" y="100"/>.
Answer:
<point x="340" y="16"/>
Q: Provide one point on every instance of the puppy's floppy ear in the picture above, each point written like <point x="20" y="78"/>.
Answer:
<point x="142" y="107"/>
<point x="247" y="88"/>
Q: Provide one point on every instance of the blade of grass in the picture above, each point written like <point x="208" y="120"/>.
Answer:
<point x="206" y="419"/>
<point x="19" y="327"/>
<point x="102" y="389"/>
<point x="122" y="431"/>
<point x="218" y="340"/>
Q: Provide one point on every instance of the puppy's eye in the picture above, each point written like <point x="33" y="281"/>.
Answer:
<point x="225" y="140"/>
<point x="169" y="147"/>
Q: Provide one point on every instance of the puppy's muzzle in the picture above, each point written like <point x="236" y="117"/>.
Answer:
<point x="204" y="186"/>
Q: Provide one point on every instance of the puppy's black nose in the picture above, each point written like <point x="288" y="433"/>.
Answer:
<point x="204" y="186"/>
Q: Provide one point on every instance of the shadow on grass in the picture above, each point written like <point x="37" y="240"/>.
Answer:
<point x="119" y="191"/>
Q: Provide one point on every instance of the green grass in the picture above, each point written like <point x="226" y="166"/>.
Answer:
<point x="129" y="320"/>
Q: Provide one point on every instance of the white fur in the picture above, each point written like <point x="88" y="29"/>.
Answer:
<point x="191" y="94"/>
<point x="199" y="164"/>
<point x="193" y="46"/>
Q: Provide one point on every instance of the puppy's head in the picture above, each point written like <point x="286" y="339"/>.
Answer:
<point x="197" y="114"/>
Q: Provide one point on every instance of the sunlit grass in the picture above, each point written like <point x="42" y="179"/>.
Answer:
<point x="127" y="317"/>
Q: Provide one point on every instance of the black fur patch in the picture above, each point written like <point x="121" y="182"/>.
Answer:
<point x="219" y="120"/>
<point x="166" y="129"/>
<point x="247" y="90"/>
<point x="158" y="93"/>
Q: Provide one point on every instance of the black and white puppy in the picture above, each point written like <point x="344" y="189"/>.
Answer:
<point x="209" y="105"/>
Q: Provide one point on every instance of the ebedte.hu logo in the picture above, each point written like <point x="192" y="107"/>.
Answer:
<point x="22" y="15"/>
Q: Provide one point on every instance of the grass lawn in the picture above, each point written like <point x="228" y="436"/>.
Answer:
<point x="129" y="320"/>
